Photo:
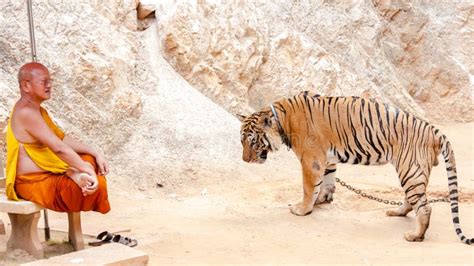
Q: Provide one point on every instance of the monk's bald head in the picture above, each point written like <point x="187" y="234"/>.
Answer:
<point x="27" y="71"/>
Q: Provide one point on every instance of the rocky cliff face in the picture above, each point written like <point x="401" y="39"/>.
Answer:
<point x="415" y="54"/>
<point x="112" y="88"/>
<point x="92" y="60"/>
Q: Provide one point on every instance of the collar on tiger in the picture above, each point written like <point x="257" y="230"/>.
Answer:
<point x="284" y="138"/>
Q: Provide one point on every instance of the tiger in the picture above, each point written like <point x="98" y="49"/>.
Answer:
<point x="323" y="131"/>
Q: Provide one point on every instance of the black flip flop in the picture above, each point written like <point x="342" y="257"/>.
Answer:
<point x="125" y="240"/>
<point x="104" y="238"/>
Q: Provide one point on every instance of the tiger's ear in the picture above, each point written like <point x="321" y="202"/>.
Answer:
<point x="267" y="121"/>
<point x="241" y="117"/>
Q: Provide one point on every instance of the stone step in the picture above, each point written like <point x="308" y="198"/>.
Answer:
<point x="107" y="254"/>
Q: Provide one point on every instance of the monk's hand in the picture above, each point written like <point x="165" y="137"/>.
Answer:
<point x="102" y="164"/>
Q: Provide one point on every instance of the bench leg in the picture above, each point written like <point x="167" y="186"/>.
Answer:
<point x="75" y="230"/>
<point x="3" y="239"/>
<point x="2" y="228"/>
<point x="24" y="233"/>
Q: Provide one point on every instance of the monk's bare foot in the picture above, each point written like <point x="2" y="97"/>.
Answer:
<point x="82" y="180"/>
<point x="92" y="185"/>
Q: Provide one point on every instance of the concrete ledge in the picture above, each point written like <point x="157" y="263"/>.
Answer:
<point x="18" y="207"/>
<point x="107" y="254"/>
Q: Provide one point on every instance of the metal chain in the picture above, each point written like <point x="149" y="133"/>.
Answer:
<point x="385" y="201"/>
<point x="439" y="200"/>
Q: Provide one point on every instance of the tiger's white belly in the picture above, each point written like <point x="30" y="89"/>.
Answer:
<point x="331" y="157"/>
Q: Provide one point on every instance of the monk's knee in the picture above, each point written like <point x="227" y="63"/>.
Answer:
<point x="72" y="188"/>
<point x="87" y="157"/>
<point x="90" y="159"/>
<point x="102" y="183"/>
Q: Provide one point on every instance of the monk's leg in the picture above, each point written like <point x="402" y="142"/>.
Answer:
<point x="98" y="201"/>
<point x="60" y="193"/>
<point x="38" y="187"/>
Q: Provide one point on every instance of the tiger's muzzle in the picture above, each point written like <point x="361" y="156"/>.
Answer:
<point x="253" y="157"/>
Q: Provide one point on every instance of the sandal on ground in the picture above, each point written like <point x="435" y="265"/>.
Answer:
<point x="103" y="238"/>
<point x="125" y="240"/>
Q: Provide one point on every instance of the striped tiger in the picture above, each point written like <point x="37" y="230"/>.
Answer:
<point x="324" y="131"/>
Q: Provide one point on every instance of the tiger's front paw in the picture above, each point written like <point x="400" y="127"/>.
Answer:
<point x="326" y="194"/>
<point x="300" y="209"/>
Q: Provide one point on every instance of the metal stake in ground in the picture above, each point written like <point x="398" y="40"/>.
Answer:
<point x="29" y="6"/>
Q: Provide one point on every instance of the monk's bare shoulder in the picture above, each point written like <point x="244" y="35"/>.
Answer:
<point x="26" y="122"/>
<point x="23" y="109"/>
<point x="20" y="118"/>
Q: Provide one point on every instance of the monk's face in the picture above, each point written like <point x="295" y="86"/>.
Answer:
<point x="39" y="84"/>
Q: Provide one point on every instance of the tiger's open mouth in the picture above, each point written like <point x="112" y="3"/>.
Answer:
<point x="261" y="157"/>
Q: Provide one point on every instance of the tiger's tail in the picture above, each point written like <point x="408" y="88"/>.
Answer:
<point x="449" y="159"/>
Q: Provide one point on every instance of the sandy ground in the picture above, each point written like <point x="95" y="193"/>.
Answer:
<point x="240" y="221"/>
<point x="245" y="222"/>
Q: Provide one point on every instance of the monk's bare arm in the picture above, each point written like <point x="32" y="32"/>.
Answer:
<point x="34" y="125"/>
<point x="80" y="147"/>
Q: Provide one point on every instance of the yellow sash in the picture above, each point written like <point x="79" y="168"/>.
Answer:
<point x="41" y="155"/>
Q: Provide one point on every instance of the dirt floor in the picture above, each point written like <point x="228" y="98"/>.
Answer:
<point x="240" y="221"/>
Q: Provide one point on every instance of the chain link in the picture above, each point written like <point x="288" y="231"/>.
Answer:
<point x="385" y="201"/>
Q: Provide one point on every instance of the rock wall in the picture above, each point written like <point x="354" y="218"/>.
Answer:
<point x="430" y="46"/>
<point x="245" y="54"/>
<point x="92" y="61"/>
<point x="112" y="88"/>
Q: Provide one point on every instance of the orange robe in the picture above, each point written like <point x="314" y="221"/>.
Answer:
<point x="52" y="189"/>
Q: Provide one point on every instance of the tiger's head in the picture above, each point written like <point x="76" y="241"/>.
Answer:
<point x="259" y="136"/>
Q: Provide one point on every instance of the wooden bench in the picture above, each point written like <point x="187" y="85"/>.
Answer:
<point x="107" y="254"/>
<point x="24" y="216"/>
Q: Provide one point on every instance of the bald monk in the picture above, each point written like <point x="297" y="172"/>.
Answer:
<point x="45" y="166"/>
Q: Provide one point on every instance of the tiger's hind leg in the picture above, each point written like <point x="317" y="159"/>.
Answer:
<point x="402" y="210"/>
<point x="414" y="182"/>
<point x="423" y="213"/>
<point x="328" y="186"/>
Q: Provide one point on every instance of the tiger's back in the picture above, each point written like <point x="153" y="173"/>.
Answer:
<point x="362" y="131"/>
